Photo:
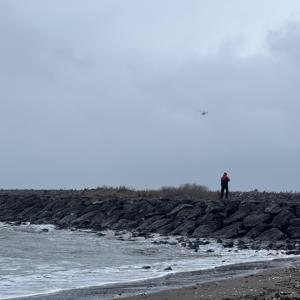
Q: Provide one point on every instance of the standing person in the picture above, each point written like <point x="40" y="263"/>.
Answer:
<point x="224" y="185"/>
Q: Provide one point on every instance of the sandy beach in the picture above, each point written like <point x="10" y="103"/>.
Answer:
<point x="277" y="279"/>
<point x="281" y="283"/>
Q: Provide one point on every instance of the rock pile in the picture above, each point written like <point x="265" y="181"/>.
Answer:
<point x="269" y="219"/>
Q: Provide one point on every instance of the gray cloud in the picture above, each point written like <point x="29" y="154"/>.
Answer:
<point x="110" y="94"/>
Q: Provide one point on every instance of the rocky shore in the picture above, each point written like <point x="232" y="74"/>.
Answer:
<point x="273" y="284"/>
<point x="250" y="219"/>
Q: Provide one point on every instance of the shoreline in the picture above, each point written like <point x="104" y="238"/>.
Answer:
<point x="249" y="220"/>
<point x="181" y="285"/>
<point x="272" y="284"/>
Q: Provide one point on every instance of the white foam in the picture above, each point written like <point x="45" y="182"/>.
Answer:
<point x="36" y="262"/>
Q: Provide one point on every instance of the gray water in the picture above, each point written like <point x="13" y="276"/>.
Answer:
<point x="36" y="261"/>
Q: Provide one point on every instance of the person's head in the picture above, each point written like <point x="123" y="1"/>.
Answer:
<point x="225" y="174"/>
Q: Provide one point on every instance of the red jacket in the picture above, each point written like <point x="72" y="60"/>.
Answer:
<point x="224" y="180"/>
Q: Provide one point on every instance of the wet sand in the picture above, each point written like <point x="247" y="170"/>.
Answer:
<point x="277" y="279"/>
<point x="281" y="283"/>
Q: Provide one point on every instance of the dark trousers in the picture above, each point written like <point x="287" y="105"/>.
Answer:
<point x="224" y="188"/>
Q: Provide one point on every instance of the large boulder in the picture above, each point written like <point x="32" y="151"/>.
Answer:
<point x="123" y="224"/>
<point x="166" y="228"/>
<point x="190" y="214"/>
<point x="185" y="228"/>
<point x="83" y="220"/>
<point x="215" y="207"/>
<point x="295" y="222"/>
<point x="231" y="231"/>
<point x="164" y="205"/>
<point x="244" y="210"/>
<point x="110" y="220"/>
<point x="293" y="231"/>
<point x="206" y="230"/>
<point x="256" y="219"/>
<point x="178" y="208"/>
<point x="274" y="208"/>
<point x="272" y="234"/>
<point x="97" y="221"/>
<point x="66" y="221"/>
<point x="282" y="220"/>
<point x="157" y="224"/>
<point x="231" y="207"/>
<point x="257" y="230"/>
<point x="211" y="217"/>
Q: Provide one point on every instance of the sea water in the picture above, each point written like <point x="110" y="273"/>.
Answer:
<point x="38" y="259"/>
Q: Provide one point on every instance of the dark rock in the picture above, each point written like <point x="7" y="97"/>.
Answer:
<point x="109" y="221"/>
<point x="231" y="207"/>
<point x="207" y="229"/>
<point x="97" y="221"/>
<point x="295" y="222"/>
<point x="157" y="224"/>
<point x="273" y="208"/>
<point x="247" y="215"/>
<point x="216" y="218"/>
<point x="146" y="267"/>
<point x="178" y="208"/>
<point x="66" y="221"/>
<point x="180" y="239"/>
<point x="160" y="242"/>
<point x="185" y="228"/>
<point x="242" y="245"/>
<point x="155" y="214"/>
<point x="194" y="245"/>
<point x="256" y="231"/>
<point x="293" y="232"/>
<point x="123" y="224"/>
<point x="256" y="219"/>
<point x="84" y="219"/>
<point x="279" y="245"/>
<point x="189" y="214"/>
<point x="244" y="210"/>
<point x="293" y="252"/>
<point x="282" y="219"/>
<point x="228" y="244"/>
<point x="166" y="229"/>
<point x="297" y="210"/>
<point x="273" y="234"/>
<point x="215" y="207"/>
<point x="165" y="204"/>
<point x="144" y="224"/>
<point x="232" y="231"/>
<point x="168" y="269"/>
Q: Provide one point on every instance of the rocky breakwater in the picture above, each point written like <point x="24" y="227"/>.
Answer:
<point x="251" y="219"/>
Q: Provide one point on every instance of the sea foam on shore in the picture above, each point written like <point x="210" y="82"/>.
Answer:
<point x="38" y="259"/>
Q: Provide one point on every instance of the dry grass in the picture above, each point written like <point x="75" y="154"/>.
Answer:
<point x="190" y="191"/>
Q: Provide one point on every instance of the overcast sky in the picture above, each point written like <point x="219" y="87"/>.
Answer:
<point x="110" y="92"/>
